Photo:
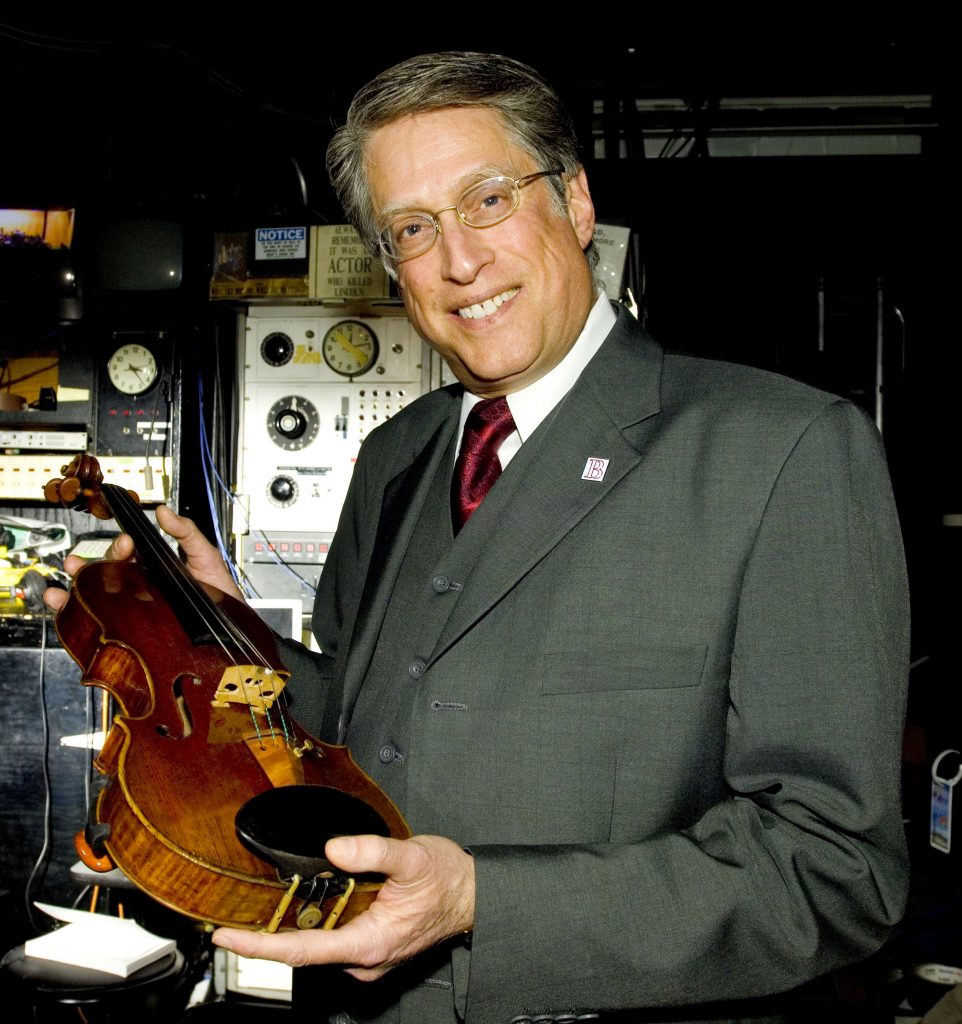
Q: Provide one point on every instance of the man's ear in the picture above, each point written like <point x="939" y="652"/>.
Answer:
<point x="581" y="210"/>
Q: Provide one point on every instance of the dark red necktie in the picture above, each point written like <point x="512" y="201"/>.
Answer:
<point x="478" y="466"/>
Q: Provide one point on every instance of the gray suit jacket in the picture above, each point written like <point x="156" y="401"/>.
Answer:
<point x="663" y="710"/>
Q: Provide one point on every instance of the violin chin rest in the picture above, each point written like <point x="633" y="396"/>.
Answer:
<point x="289" y="826"/>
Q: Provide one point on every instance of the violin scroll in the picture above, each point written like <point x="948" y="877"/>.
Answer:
<point x="81" y="487"/>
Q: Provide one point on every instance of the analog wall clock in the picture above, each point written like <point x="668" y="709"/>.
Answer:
<point x="350" y="348"/>
<point x="132" y="369"/>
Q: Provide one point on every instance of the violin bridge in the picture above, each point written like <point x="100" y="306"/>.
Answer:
<point x="253" y="685"/>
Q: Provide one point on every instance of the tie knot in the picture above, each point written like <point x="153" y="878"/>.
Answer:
<point x="492" y="419"/>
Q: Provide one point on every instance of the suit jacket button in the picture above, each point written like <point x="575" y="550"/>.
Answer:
<point x="387" y="754"/>
<point x="416" y="668"/>
<point x="440" y="584"/>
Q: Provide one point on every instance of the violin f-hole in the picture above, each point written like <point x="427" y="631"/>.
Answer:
<point x="186" y="722"/>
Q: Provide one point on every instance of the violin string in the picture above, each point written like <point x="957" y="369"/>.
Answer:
<point x="199" y="601"/>
<point x="148" y="540"/>
<point x="214" y="618"/>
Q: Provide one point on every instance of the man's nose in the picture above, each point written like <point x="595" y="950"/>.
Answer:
<point x="464" y="250"/>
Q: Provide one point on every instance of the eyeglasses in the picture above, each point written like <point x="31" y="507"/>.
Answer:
<point x="481" y="206"/>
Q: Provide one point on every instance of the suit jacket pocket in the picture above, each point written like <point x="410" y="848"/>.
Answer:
<point x="622" y="666"/>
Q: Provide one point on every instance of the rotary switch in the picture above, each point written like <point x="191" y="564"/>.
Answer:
<point x="293" y="422"/>
<point x="282" y="491"/>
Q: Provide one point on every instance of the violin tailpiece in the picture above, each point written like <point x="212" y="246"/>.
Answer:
<point x="281" y="766"/>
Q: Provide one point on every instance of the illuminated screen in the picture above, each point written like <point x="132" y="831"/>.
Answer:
<point x="38" y="229"/>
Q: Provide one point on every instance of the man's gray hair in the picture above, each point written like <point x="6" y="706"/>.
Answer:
<point x="531" y="110"/>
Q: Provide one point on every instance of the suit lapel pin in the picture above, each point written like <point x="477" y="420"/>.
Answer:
<point x="595" y="470"/>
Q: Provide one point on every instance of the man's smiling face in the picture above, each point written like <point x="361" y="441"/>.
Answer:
<point x="502" y="304"/>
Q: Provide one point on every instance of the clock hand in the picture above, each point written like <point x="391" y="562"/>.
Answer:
<point x="358" y="353"/>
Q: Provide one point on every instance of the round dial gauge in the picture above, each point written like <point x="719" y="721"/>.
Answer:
<point x="293" y="422"/>
<point x="132" y="369"/>
<point x="350" y="348"/>
<point x="277" y="349"/>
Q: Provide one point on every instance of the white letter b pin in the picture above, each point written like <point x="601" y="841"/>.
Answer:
<point x="595" y="469"/>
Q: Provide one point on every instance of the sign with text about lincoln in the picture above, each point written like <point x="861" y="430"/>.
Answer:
<point x="343" y="267"/>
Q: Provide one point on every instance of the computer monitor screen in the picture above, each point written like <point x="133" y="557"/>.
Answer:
<point x="138" y="255"/>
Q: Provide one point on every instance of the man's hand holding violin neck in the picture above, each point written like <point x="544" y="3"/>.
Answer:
<point x="203" y="559"/>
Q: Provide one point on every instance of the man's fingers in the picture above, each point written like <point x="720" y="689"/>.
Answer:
<point x="427" y="896"/>
<point x="72" y="564"/>
<point x="203" y="559"/>
<point x="298" y="949"/>
<point x="55" y="598"/>
<point x="179" y="527"/>
<point x="285" y="947"/>
<point x="122" y="547"/>
<point x="361" y="854"/>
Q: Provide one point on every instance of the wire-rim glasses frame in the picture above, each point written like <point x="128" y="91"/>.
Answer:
<point x="482" y="205"/>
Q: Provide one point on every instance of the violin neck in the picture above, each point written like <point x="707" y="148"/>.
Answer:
<point x="199" y="616"/>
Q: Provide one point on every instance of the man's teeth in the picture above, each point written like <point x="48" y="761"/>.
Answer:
<point x="482" y="309"/>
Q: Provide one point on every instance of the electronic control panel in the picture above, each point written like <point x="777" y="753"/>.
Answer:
<point x="315" y="383"/>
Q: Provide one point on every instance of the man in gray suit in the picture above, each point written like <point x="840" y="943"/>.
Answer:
<point x="643" y="709"/>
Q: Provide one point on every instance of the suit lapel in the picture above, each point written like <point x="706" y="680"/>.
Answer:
<point x="609" y="414"/>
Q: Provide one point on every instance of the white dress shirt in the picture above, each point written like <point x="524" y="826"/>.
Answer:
<point x="530" y="405"/>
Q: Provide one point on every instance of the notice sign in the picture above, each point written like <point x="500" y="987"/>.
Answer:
<point x="280" y="243"/>
<point x="343" y="267"/>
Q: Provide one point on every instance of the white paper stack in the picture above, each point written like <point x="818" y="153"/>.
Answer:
<point x="98" y="941"/>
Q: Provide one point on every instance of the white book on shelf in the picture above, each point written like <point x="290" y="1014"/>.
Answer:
<point x="98" y="941"/>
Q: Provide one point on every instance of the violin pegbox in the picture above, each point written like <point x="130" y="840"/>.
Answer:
<point x="80" y="487"/>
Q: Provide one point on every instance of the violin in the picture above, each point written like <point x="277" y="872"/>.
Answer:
<point x="217" y="803"/>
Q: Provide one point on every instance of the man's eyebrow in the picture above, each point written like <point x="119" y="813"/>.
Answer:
<point x="456" y="191"/>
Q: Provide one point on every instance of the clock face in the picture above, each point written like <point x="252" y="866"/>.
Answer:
<point x="132" y="369"/>
<point x="350" y="348"/>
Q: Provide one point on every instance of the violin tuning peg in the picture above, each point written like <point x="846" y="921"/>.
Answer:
<point x="51" y="491"/>
<point x="69" y="490"/>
